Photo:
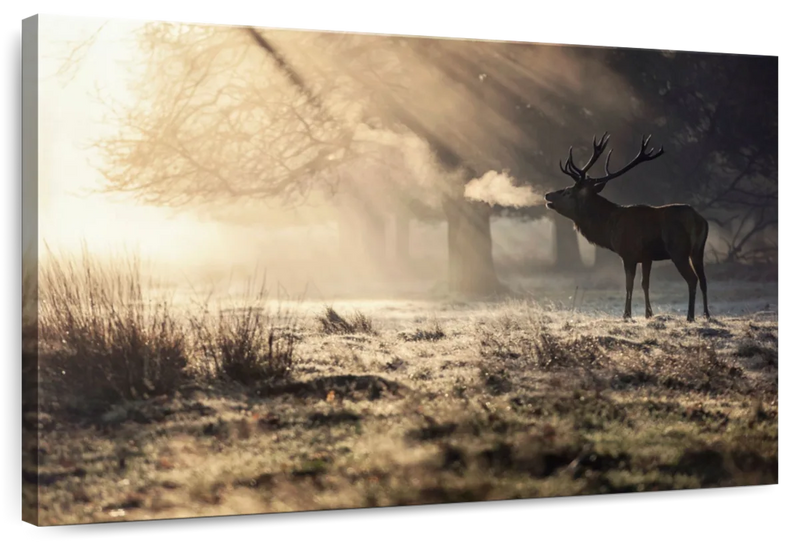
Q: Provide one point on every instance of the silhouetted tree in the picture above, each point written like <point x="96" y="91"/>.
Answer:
<point x="718" y="117"/>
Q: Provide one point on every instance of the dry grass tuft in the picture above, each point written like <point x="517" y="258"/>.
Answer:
<point x="107" y="341"/>
<point x="248" y="342"/>
<point x="110" y="338"/>
<point x="331" y="322"/>
<point x="431" y="333"/>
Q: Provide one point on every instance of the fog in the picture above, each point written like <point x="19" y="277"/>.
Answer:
<point x="238" y="174"/>
<point x="298" y="245"/>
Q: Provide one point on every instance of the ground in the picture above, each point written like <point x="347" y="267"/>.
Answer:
<point x="547" y="392"/>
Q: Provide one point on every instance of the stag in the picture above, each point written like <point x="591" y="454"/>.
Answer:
<point x="638" y="234"/>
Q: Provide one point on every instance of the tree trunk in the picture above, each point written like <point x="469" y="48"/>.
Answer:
<point x="374" y="236"/>
<point x="402" y="231"/>
<point x="469" y="242"/>
<point x="349" y="235"/>
<point x="567" y="251"/>
<point x="453" y="254"/>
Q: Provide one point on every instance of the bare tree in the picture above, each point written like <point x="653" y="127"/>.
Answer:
<point x="215" y="121"/>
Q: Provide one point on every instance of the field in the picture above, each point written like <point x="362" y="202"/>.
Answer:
<point x="162" y="409"/>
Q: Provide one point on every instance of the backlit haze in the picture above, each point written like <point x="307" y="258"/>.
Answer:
<point x="70" y="119"/>
<point x="507" y="134"/>
<point x="83" y="61"/>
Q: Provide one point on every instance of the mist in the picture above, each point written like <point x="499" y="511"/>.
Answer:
<point x="212" y="173"/>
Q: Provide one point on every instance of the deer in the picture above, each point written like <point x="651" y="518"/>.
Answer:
<point x="637" y="233"/>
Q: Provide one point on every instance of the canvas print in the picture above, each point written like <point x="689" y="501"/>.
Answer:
<point x="277" y="270"/>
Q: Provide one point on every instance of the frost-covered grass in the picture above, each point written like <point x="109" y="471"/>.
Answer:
<point x="533" y="396"/>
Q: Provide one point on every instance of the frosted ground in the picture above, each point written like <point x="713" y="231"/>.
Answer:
<point x="546" y="392"/>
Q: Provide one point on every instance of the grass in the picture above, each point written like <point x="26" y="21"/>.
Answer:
<point x="331" y="322"/>
<point x="29" y="326"/>
<point x="431" y="333"/>
<point x="109" y="337"/>
<point x="29" y="299"/>
<point x="514" y="400"/>
<point x="248" y="342"/>
<point x="104" y="338"/>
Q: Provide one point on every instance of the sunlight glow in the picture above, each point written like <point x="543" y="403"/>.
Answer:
<point x="70" y="118"/>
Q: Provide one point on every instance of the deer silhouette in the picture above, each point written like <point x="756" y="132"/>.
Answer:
<point x="639" y="233"/>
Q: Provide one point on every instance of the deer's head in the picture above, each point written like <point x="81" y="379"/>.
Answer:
<point x="568" y="202"/>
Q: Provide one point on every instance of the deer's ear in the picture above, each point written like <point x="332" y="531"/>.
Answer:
<point x="597" y="187"/>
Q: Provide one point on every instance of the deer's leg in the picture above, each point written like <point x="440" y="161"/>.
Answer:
<point x="686" y="270"/>
<point x="699" y="268"/>
<point x="646" y="265"/>
<point x="630" y="275"/>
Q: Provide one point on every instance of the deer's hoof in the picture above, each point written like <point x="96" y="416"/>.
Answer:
<point x="690" y="319"/>
<point x="648" y="315"/>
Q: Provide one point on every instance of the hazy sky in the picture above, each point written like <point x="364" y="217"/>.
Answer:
<point x="69" y="119"/>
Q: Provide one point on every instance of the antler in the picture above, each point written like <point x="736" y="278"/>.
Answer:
<point x="643" y="156"/>
<point x="579" y="174"/>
